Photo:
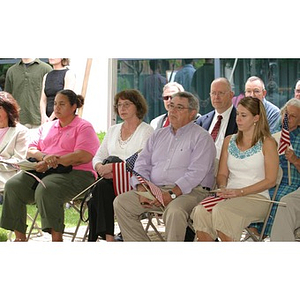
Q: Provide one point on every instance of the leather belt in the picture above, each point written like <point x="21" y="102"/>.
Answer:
<point x="206" y="188"/>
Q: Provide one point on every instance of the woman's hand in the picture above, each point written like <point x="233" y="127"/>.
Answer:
<point x="104" y="171"/>
<point x="51" y="161"/>
<point x="230" y="193"/>
<point x="41" y="167"/>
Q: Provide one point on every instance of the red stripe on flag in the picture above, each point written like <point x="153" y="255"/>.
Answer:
<point x="121" y="178"/>
<point x="209" y="202"/>
<point x="285" y="141"/>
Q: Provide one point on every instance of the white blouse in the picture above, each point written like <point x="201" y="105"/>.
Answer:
<point x="113" y="145"/>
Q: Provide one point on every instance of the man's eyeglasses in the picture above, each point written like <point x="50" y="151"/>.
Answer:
<point x="166" y="98"/>
<point x="297" y="91"/>
<point x="254" y="92"/>
<point x="176" y="107"/>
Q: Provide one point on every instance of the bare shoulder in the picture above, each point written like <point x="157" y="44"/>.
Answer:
<point x="270" y="142"/>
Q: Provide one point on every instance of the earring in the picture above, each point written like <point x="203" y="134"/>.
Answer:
<point x="254" y="123"/>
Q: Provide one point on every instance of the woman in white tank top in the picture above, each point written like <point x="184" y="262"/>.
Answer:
<point x="247" y="169"/>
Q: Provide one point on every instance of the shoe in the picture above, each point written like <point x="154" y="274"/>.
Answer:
<point x="118" y="237"/>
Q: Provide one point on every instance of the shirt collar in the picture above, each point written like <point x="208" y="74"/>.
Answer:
<point x="226" y="113"/>
<point x="36" y="61"/>
<point x="72" y="124"/>
<point x="183" y="128"/>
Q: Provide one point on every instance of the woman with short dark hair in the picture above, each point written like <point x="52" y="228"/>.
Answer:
<point x="122" y="140"/>
<point x="64" y="149"/>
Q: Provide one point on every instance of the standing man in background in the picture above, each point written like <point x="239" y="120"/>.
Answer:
<point x="24" y="81"/>
<point x="185" y="75"/>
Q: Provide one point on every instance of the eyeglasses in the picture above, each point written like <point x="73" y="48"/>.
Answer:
<point x="125" y="105"/>
<point x="176" y="107"/>
<point x="221" y="94"/>
<point x="297" y="91"/>
<point x="254" y="92"/>
<point x="166" y="98"/>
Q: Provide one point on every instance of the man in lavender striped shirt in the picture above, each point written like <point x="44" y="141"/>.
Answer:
<point x="179" y="159"/>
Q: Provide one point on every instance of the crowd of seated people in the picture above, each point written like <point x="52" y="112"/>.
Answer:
<point x="174" y="171"/>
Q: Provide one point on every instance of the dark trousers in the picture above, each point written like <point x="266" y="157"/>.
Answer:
<point x="101" y="211"/>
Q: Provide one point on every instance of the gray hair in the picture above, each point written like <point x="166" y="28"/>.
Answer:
<point x="254" y="78"/>
<point x="193" y="101"/>
<point x="292" y="102"/>
<point x="175" y="84"/>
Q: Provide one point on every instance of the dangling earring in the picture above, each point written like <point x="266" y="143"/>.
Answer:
<point x="254" y="123"/>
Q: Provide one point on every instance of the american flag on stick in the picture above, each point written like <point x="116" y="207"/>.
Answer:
<point x="122" y="173"/>
<point x="285" y="141"/>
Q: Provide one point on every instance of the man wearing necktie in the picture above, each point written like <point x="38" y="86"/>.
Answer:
<point x="222" y="120"/>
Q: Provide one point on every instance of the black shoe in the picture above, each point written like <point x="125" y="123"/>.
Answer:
<point x="118" y="237"/>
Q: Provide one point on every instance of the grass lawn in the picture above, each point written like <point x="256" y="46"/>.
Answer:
<point x="71" y="219"/>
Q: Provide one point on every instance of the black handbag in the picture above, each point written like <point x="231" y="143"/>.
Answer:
<point x="59" y="169"/>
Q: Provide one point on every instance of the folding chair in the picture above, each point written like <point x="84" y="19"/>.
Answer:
<point x="261" y="237"/>
<point x="158" y="215"/>
<point x="149" y="216"/>
<point x="73" y="204"/>
<point x="76" y="205"/>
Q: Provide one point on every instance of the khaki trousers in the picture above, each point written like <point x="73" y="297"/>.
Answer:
<point x="128" y="210"/>
<point x="231" y="216"/>
<point x="287" y="218"/>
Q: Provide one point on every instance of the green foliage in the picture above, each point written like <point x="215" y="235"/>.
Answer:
<point x="101" y="135"/>
<point x="3" y="235"/>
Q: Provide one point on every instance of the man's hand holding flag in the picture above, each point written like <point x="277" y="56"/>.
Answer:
<point x="150" y="188"/>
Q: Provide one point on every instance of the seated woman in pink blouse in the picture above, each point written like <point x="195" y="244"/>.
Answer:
<point x="69" y="141"/>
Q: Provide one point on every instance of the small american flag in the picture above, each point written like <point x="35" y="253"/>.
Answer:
<point x="155" y="190"/>
<point x="122" y="174"/>
<point x="210" y="202"/>
<point x="285" y="141"/>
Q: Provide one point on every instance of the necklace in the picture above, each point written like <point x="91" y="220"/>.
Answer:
<point x="125" y="142"/>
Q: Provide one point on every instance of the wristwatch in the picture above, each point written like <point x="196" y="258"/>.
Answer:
<point x="173" y="196"/>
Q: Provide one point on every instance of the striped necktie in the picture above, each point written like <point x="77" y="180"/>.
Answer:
<point x="216" y="129"/>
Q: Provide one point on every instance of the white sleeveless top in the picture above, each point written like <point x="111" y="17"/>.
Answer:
<point x="246" y="167"/>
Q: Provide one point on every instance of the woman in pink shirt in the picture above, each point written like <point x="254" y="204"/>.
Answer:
<point x="64" y="148"/>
